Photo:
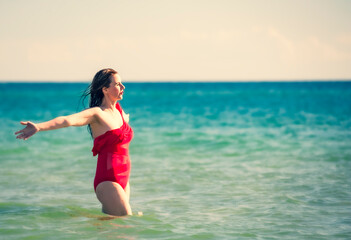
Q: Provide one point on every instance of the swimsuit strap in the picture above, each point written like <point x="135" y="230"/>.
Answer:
<point x="119" y="108"/>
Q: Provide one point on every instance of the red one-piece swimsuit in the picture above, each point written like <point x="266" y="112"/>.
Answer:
<point x="113" y="162"/>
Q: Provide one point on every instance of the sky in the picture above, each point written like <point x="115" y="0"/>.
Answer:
<point x="179" y="40"/>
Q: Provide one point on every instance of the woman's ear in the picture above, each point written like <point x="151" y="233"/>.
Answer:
<point x="104" y="89"/>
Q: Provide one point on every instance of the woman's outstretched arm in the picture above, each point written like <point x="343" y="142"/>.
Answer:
<point x="85" y="117"/>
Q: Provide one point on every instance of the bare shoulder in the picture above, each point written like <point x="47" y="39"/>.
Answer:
<point x="96" y="111"/>
<point x="96" y="115"/>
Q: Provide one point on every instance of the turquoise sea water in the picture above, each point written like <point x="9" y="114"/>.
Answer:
<point x="209" y="161"/>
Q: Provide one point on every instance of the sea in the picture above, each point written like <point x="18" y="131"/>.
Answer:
<point x="210" y="160"/>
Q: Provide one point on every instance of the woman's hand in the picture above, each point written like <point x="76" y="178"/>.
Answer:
<point x="28" y="131"/>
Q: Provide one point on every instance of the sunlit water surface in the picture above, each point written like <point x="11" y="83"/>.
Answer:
<point x="209" y="161"/>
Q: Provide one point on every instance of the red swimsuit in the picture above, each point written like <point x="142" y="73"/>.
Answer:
<point x="113" y="162"/>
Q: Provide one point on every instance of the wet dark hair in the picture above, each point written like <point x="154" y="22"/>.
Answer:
<point x="101" y="79"/>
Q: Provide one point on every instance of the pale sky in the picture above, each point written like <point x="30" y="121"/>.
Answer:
<point x="175" y="40"/>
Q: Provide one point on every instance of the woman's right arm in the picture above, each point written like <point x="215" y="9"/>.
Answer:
<point x="82" y="118"/>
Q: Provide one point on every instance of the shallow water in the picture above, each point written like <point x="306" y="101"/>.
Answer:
<point x="209" y="161"/>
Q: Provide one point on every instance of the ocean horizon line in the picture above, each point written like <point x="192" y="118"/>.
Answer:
<point x="179" y="81"/>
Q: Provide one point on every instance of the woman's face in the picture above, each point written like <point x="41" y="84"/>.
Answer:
<point x="116" y="88"/>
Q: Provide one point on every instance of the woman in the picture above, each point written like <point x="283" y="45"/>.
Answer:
<point x="108" y="125"/>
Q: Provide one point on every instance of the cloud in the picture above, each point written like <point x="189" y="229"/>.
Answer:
<point x="259" y="52"/>
<point x="311" y="48"/>
<point x="287" y="45"/>
<point x="325" y="51"/>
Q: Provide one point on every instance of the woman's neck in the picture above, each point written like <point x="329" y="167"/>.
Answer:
<point x="108" y="104"/>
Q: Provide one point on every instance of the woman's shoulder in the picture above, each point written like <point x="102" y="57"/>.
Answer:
<point x="97" y="113"/>
<point x="93" y="111"/>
